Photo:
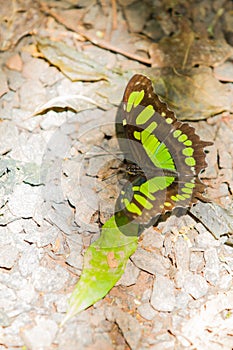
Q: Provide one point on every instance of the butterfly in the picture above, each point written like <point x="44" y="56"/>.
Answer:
<point x="164" y="155"/>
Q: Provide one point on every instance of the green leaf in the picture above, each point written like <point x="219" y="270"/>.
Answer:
<point x="104" y="264"/>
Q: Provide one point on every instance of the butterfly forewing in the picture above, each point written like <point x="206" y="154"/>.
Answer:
<point x="169" y="153"/>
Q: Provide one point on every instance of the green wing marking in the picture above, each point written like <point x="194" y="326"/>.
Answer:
<point x="169" y="154"/>
<point x="144" y="195"/>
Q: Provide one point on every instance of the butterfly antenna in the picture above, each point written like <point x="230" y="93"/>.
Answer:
<point x="124" y="154"/>
<point x="90" y="155"/>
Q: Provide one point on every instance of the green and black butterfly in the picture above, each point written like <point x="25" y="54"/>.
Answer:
<point x="166" y="155"/>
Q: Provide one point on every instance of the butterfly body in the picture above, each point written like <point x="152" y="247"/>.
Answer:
<point x="166" y="155"/>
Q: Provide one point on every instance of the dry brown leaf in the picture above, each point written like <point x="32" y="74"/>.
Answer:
<point x="137" y="14"/>
<point x="76" y="103"/>
<point x="120" y="40"/>
<point x="17" y="19"/>
<point x="75" y="65"/>
<point x="225" y="71"/>
<point x="185" y="50"/>
<point x="194" y="95"/>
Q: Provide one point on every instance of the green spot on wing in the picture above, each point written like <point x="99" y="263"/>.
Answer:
<point x="174" y="198"/>
<point x="131" y="207"/>
<point x="161" y="156"/>
<point x="144" y="189"/>
<point x="182" y="138"/>
<point x="151" y="127"/>
<point x="144" y="193"/>
<point x="153" y="185"/>
<point x="159" y="183"/>
<point x="177" y="133"/>
<point x="187" y="190"/>
<point x="180" y="197"/>
<point x="139" y="98"/>
<point x="143" y="201"/>
<point x="189" y="185"/>
<point x="137" y="135"/>
<point x="145" y="115"/>
<point x="134" y="99"/>
<point x="156" y="151"/>
<point x="186" y="195"/>
<point x="188" y="151"/>
<point x="190" y="161"/>
<point x="145" y="134"/>
<point x="188" y="143"/>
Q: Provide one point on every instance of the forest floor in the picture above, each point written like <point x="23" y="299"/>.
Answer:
<point x="64" y="66"/>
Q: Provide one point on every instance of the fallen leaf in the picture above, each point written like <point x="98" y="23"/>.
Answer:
<point x="195" y="94"/>
<point x="75" y="65"/>
<point x="112" y="249"/>
<point x="121" y="40"/>
<point x="224" y="72"/>
<point x="185" y="50"/>
<point x="75" y="102"/>
<point x="18" y="18"/>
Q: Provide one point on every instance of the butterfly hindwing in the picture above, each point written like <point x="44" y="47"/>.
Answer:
<point x="168" y="153"/>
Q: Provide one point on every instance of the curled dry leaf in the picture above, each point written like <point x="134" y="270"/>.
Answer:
<point x="75" y="102"/>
